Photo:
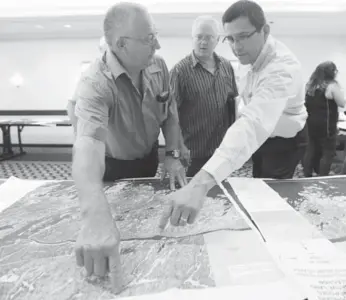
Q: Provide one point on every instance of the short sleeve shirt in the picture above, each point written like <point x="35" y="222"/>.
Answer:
<point x="109" y="108"/>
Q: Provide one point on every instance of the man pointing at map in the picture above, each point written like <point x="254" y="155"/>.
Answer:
<point x="271" y="126"/>
<point x="123" y="101"/>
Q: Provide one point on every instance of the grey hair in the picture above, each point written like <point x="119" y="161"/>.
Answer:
<point x="206" y="19"/>
<point x="119" y="17"/>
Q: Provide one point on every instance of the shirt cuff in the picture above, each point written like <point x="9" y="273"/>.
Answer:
<point x="219" y="167"/>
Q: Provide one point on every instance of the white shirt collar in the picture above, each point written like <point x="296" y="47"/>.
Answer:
<point x="266" y="54"/>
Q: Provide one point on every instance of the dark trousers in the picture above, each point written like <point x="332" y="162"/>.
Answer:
<point x="319" y="154"/>
<point x="278" y="157"/>
<point x="138" y="168"/>
<point x="196" y="165"/>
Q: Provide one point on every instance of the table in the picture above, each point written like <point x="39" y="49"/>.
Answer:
<point x="37" y="235"/>
<point x="20" y="122"/>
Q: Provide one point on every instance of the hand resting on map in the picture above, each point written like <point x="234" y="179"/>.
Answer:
<point x="183" y="205"/>
<point x="97" y="248"/>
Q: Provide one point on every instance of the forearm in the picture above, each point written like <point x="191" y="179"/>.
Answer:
<point x="241" y="140"/>
<point x="181" y="139"/>
<point x="203" y="180"/>
<point x="172" y="134"/>
<point x="87" y="171"/>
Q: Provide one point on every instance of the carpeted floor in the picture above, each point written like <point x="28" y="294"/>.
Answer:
<point x="62" y="170"/>
<point x="53" y="165"/>
<point x="36" y="170"/>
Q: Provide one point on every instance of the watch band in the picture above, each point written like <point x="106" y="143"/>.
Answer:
<point x="173" y="153"/>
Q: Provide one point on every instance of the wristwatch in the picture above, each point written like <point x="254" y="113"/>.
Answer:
<point x="173" y="153"/>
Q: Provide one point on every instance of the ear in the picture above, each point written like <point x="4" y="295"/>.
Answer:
<point x="120" y="43"/>
<point x="266" y="30"/>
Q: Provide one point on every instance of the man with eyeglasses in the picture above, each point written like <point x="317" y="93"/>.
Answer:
<point x="271" y="125"/>
<point x="122" y="102"/>
<point x="203" y="85"/>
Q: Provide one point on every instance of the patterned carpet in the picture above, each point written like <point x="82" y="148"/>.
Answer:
<point x="57" y="166"/>
<point x="36" y="170"/>
<point x="62" y="170"/>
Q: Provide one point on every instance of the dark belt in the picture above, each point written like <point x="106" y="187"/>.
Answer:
<point x="116" y="169"/>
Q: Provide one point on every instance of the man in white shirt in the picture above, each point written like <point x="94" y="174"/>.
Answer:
<point x="271" y="125"/>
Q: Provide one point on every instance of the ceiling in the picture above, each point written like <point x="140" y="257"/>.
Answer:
<point x="29" y="8"/>
<point x="71" y="20"/>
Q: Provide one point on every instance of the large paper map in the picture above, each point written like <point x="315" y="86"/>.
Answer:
<point x="37" y="236"/>
<point x="322" y="202"/>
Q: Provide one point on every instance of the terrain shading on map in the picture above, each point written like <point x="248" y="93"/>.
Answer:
<point x="38" y="232"/>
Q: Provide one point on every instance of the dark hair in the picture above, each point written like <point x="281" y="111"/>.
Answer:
<point x="323" y="75"/>
<point x="245" y="8"/>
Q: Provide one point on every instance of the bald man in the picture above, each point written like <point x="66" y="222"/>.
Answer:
<point x="122" y="102"/>
<point x="204" y="87"/>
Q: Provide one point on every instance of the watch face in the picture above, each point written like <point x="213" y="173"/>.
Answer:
<point x="176" y="153"/>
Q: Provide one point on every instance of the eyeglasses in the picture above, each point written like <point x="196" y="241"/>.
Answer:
<point x="239" y="39"/>
<point x="207" y="38"/>
<point x="150" y="40"/>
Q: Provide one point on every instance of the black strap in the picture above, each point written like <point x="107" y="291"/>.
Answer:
<point x="231" y="108"/>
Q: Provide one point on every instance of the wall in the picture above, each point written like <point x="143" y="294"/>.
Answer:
<point x="313" y="50"/>
<point x="50" y="69"/>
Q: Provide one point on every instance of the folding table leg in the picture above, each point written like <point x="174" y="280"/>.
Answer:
<point x="6" y="139"/>
<point x="19" y="131"/>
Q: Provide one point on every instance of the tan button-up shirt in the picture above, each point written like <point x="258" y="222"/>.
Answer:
<point x="109" y="108"/>
<point x="272" y="94"/>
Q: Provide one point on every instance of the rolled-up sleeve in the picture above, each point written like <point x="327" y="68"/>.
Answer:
<point x="92" y="108"/>
<point x="176" y="86"/>
<point x="172" y="109"/>
<point x="256" y="123"/>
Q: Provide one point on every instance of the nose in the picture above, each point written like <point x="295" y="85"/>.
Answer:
<point x="237" y="47"/>
<point x="157" y="45"/>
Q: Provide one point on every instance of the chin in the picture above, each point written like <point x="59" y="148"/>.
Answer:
<point x="201" y="53"/>
<point x="244" y="60"/>
<point x="147" y="63"/>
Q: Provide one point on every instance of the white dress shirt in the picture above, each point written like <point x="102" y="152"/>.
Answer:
<point x="273" y="96"/>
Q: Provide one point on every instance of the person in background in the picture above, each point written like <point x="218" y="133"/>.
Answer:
<point x="122" y="102"/>
<point x="203" y="85"/>
<point x="322" y="99"/>
<point x="71" y="104"/>
<point x="271" y="124"/>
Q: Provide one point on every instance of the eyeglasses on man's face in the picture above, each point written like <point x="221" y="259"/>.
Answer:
<point x="150" y="39"/>
<point x="240" y="38"/>
<point x="205" y="37"/>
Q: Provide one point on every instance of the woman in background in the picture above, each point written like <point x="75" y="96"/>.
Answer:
<point x="322" y="98"/>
